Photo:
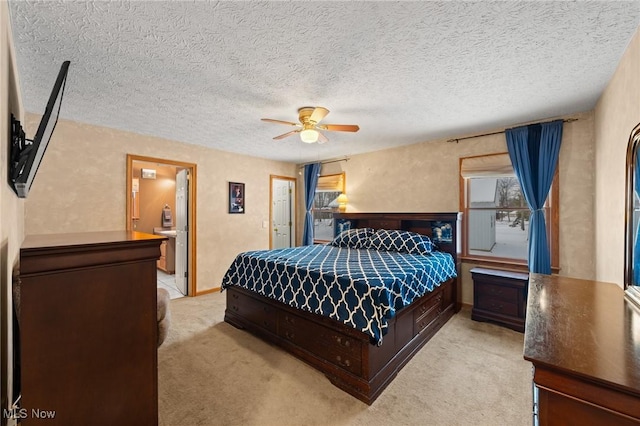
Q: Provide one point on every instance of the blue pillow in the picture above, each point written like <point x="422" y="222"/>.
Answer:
<point x="353" y="238"/>
<point x="400" y="241"/>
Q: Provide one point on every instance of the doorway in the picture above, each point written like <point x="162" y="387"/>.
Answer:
<point x="161" y="200"/>
<point x="282" y="212"/>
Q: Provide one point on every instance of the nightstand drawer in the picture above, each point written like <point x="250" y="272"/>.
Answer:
<point x="497" y="292"/>
<point x="498" y="306"/>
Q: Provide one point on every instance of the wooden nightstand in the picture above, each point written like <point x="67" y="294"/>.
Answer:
<point x="500" y="297"/>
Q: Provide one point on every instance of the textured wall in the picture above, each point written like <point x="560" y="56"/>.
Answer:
<point x="81" y="186"/>
<point x="425" y="177"/>
<point x="12" y="215"/>
<point x="616" y="114"/>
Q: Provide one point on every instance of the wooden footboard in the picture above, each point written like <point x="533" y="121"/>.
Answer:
<point x="344" y="354"/>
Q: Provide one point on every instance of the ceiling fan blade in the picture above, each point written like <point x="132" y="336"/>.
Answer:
<point x="287" y="134"/>
<point x="318" y="114"/>
<point x="339" y="127"/>
<point x="322" y="138"/>
<point x="271" y="120"/>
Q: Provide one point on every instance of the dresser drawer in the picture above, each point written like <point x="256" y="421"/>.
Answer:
<point x="349" y="359"/>
<point x="428" y="311"/>
<point x="255" y="311"/>
<point x="346" y="354"/>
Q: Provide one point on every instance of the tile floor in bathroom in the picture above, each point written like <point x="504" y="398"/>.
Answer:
<point x="168" y="282"/>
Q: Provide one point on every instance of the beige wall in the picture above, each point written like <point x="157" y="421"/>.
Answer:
<point x="425" y="178"/>
<point x="12" y="208"/>
<point x="90" y="197"/>
<point x="616" y="114"/>
<point x="81" y="186"/>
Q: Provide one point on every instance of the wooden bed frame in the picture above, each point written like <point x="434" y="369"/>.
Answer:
<point x="345" y="355"/>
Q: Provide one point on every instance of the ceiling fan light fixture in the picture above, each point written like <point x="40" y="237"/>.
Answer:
<point x="309" y="119"/>
<point x="309" y="136"/>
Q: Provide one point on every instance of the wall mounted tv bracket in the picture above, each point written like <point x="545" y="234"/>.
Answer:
<point x="19" y="150"/>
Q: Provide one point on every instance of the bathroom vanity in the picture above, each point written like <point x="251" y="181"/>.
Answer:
<point x="167" y="260"/>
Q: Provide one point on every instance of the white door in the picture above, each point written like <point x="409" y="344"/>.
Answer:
<point x="282" y="229"/>
<point x="182" y="231"/>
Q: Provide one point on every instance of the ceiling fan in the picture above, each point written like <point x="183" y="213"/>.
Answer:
<point x="308" y="127"/>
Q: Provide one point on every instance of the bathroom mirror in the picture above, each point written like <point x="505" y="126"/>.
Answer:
<point x="632" y="219"/>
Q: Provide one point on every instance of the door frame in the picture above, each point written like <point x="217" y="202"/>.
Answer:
<point x="191" y="190"/>
<point x="293" y="208"/>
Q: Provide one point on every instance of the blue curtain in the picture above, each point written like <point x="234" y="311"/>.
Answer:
<point x="311" y="172"/>
<point x="534" y="153"/>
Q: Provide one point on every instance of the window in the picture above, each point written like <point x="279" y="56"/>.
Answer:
<point x="325" y="204"/>
<point x="496" y="215"/>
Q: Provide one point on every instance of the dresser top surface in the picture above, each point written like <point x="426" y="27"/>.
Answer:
<point x="85" y="239"/>
<point x="584" y="328"/>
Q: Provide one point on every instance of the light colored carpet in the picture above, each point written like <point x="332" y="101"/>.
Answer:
<point x="211" y="373"/>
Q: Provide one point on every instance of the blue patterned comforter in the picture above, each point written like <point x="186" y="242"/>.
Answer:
<point x="358" y="287"/>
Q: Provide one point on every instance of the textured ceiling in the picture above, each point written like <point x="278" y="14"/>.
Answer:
<point x="406" y="72"/>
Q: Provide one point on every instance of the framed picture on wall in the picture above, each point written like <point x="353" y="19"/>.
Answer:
<point x="236" y="197"/>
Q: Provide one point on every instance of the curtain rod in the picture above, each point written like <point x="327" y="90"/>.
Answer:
<point x="324" y="162"/>
<point x="456" y="140"/>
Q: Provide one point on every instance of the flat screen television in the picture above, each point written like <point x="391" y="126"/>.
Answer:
<point x="26" y="154"/>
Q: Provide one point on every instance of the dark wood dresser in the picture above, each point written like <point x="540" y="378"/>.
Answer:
<point x="88" y="329"/>
<point x="500" y="296"/>
<point x="583" y="339"/>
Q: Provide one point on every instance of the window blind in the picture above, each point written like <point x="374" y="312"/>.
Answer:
<point x="497" y="165"/>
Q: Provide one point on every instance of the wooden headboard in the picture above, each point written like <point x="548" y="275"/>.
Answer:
<point x="443" y="229"/>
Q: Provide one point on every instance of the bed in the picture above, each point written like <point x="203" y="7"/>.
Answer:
<point x="357" y="314"/>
